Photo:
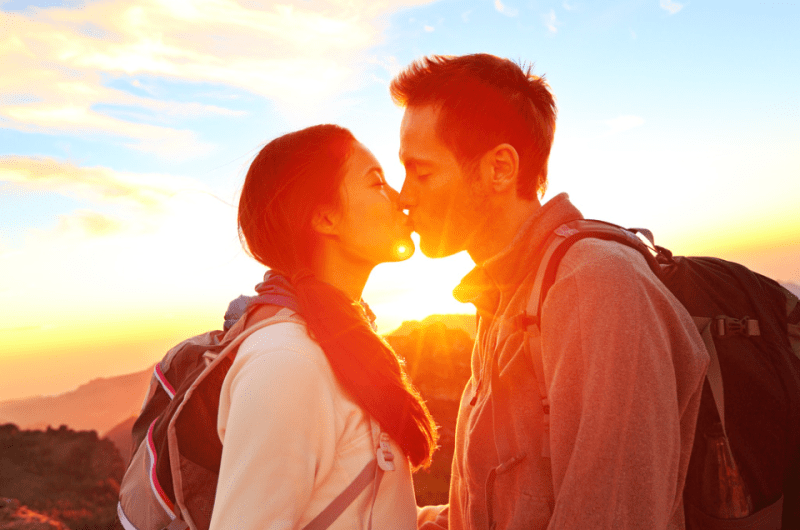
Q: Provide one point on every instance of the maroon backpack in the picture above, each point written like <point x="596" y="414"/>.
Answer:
<point x="172" y="477"/>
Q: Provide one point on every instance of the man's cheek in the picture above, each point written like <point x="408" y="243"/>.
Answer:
<point x="437" y="206"/>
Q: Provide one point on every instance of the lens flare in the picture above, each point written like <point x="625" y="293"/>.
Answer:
<point x="402" y="250"/>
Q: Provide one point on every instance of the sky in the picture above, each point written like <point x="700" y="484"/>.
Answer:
<point x="126" y="129"/>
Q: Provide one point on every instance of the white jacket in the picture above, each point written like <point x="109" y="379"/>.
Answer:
<point x="293" y="440"/>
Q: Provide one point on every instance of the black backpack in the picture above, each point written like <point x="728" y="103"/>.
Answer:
<point x="744" y="471"/>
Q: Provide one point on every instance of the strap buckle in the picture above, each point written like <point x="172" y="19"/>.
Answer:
<point x="524" y="320"/>
<point x="727" y="326"/>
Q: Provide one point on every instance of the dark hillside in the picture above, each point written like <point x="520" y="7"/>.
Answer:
<point x="463" y="322"/>
<point x="71" y="476"/>
<point x="15" y="516"/>
<point x="121" y="436"/>
<point x="438" y="362"/>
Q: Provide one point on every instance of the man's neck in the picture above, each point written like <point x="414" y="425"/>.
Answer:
<point x="501" y="228"/>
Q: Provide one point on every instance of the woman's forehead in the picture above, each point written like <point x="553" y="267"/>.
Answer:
<point x="362" y="163"/>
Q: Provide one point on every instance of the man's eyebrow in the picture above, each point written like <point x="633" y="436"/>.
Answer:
<point x="413" y="163"/>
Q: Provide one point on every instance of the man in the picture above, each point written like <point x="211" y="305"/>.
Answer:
<point x="623" y="364"/>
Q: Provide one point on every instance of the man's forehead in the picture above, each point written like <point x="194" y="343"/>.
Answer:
<point x="418" y="134"/>
<point x="417" y="155"/>
<point x="416" y="118"/>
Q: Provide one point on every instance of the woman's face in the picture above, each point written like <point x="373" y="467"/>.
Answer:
<point x="370" y="225"/>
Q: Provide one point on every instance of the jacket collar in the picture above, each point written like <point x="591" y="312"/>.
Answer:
<point x="505" y="271"/>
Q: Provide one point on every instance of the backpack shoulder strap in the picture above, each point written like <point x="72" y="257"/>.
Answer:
<point x="555" y="247"/>
<point x="372" y="472"/>
<point x="533" y="331"/>
<point x="284" y="315"/>
<point x="338" y="505"/>
<point x="714" y="373"/>
<point x="568" y="234"/>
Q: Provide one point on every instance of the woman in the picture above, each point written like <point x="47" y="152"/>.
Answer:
<point x="301" y="406"/>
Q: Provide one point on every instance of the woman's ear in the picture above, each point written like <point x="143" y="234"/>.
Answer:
<point x="326" y="222"/>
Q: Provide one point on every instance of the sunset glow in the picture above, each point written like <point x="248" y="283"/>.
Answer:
<point x="127" y="126"/>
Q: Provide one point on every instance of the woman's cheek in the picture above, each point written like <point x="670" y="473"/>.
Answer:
<point x="379" y="212"/>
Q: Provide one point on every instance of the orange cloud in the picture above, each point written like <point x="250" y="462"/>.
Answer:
<point x="95" y="183"/>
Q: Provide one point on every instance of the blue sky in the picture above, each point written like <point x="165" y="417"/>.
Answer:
<point x="126" y="128"/>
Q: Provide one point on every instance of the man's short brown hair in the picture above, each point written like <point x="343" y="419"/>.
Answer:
<point x="484" y="101"/>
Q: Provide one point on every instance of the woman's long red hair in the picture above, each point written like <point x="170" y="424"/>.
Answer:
<point x="290" y="179"/>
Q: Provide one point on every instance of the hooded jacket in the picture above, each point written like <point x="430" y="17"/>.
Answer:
<point x="293" y="438"/>
<point x="623" y="367"/>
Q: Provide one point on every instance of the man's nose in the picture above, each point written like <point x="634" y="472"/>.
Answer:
<point x="394" y="196"/>
<point x="405" y="198"/>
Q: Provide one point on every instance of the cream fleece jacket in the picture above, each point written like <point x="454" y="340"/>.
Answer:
<point x="624" y="367"/>
<point x="293" y="439"/>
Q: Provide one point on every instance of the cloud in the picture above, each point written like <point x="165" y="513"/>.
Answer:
<point x="142" y="246"/>
<point x="389" y="63"/>
<point x="550" y="21"/>
<point x="504" y="9"/>
<point x="569" y="7"/>
<point x="99" y="184"/>
<point x="88" y="223"/>
<point x="671" y="6"/>
<point x="623" y="123"/>
<point x="81" y="120"/>
<point x="63" y="59"/>
<point x="135" y="227"/>
<point x="428" y="29"/>
<point x="465" y="16"/>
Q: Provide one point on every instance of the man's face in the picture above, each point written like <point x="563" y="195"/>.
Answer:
<point x="443" y="201"/>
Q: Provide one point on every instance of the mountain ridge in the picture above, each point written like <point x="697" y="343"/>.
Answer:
<point x="103" y="403"/>
<point x="98" y="405"/>
<point x="463" y="321"/>
<point x="128" y="390"/>
<point x="792" y="288"/>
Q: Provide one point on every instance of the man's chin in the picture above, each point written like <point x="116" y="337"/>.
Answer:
<point x="435" y="249"/>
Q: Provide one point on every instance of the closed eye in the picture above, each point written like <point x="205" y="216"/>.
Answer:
<point x="379" y="179"/>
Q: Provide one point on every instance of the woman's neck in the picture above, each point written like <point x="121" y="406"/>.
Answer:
<point x="342" y="273"/>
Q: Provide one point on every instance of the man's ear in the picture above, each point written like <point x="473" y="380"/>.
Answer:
<point x="501" y="167"/>
<point x="326" y="222"/>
